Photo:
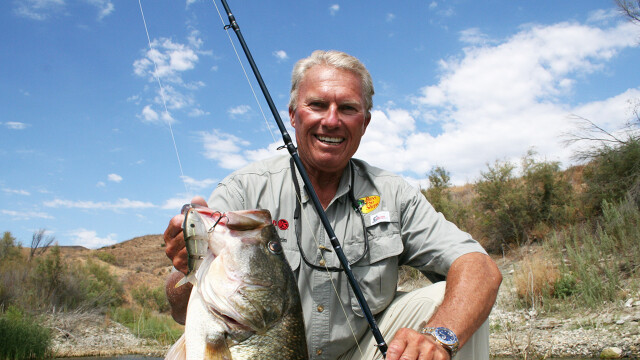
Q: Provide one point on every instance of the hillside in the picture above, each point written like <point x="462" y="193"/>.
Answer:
<point x="138" y="261"/>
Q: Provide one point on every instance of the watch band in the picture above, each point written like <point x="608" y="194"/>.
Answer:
<point x="449" y="343"/>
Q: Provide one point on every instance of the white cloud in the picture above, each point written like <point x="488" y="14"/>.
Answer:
<point x="90" y="239"/>
<point x="44" y="9"/>
<point x="165" y="63"/>
<point x="167" y="59"/>
<point x="105" y="7"/>
<point x="176" y="203"/>
<point x="15" y="125"/>
<point x="194" y="184"/>
<point x="239" y="110"/>
<point x="498" y="101"/>
<point x="333" y="9"/>
<point x="38" y="9"/>
<point x="281" y="55"/>
<point x="473" y="36"/>
<point x="114" y="177"/>
<point x="100" y="205"/>
<point x="390" y="17"/>
<point x="226" y="149"/>
<point x="17" y="191"/>
<point x="25" y="215"/>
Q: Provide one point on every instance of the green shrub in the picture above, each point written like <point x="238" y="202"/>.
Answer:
<point x="22" y="337"/>
<point x="147" y="324"/>
<point x="107" y="257"/>
<point x="598" y="257"/>
<point x="9" y="248"/>
<point x="612" y="174"/>
<point x="565" y="287"/>
<point x="512" y="209"/>
<point x="154" y="299"/>
<point x="101" y="288"/>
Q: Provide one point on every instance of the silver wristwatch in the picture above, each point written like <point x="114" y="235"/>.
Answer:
<point x="444" y="337"/>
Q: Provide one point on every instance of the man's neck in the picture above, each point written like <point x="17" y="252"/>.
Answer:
<point x="326" y="185"/>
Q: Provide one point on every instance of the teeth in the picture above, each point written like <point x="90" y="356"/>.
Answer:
<point x="334" y="140"/>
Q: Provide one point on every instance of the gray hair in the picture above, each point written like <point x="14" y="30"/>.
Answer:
<point x="338" y="60"/>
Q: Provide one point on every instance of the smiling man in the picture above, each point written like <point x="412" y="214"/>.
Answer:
<point x="381" y="221"/>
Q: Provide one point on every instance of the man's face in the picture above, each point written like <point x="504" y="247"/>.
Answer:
<point x="330" y="118"/>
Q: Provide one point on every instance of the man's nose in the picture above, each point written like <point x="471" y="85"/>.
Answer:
<point x="332" y="116"/>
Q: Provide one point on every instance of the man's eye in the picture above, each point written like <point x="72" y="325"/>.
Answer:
<point x="349" y="110"/>
<point x="316" y="105"/>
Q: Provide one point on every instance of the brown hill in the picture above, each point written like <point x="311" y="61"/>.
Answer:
<point x="136" y="262"/>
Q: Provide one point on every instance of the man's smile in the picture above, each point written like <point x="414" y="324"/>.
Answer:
<point x="329" y="139"/>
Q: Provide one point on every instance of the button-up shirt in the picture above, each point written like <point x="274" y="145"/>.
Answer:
<point x="402" y="228"/>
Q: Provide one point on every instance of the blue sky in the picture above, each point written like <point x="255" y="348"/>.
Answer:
<point x="86" y="146"/>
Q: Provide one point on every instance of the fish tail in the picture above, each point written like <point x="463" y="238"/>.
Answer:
<point x="191" y="277"/>
<point x="178" y="351"/>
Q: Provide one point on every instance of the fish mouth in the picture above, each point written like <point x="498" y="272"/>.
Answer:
<point x="330" y="140"/>
<point x="230" y="322"/>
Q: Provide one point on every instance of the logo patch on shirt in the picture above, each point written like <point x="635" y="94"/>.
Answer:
<point x="382" y="216"/>
<point x="369" y="203"/>
<point x="281" y="224"/>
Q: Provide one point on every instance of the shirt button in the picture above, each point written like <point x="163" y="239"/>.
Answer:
<point x="320" y="308"/>
<point x="319" y="352"/>
<point x="322" y="262"/>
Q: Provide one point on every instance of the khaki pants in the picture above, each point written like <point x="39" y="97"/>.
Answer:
<point x="409" y="310"/>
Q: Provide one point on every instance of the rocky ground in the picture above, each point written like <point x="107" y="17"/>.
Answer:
<point x="516" y="333"/>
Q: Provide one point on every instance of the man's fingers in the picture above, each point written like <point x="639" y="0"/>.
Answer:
<point x="408" y="344"/>
<point x="199" y="200"/>
<point x="396" y="348"/>
<point x="174" y="244"/>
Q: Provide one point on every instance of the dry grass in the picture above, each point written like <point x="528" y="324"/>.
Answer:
<point x="534" y="278"/>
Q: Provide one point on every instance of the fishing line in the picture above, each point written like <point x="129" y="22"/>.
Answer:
<point x="164" y="101"/>
<point x="245" y="72"/>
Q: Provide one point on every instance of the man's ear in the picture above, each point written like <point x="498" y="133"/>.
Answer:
<point x="367" y="119"/>
<point x="292" y="116"/>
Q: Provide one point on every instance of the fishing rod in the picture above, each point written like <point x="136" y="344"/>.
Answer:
<point x="380" y="343"/>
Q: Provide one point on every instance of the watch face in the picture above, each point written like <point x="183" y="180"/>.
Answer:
<point x="446" y="336"/>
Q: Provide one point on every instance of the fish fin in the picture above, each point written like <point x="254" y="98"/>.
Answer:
<point x="217" y="351"/>
<point x="187" y="278"/>
<point x="178" y="351"/>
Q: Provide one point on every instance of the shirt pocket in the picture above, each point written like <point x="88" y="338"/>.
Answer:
<point x="293" y="258"/>
<point x="377" y="272"/>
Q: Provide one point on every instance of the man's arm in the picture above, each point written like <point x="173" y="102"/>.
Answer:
<point x="472" y="287"/>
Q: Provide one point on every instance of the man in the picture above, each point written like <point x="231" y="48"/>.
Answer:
<point x="330" y="104"/>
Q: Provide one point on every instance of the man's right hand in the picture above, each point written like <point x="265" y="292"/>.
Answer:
<point x="174" y="241"/>
<point x="176" y="251"/>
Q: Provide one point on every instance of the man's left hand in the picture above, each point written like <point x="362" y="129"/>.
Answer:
<point x="409" y="344"/>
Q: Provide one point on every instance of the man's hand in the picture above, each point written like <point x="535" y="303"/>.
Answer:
<point x="174" y="241"/>
<point x="176" y="251"/>
<point x="409" y="344"/>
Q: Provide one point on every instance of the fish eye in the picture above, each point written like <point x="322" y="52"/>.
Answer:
<point x="275" y="247"/>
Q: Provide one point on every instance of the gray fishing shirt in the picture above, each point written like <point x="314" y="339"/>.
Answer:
<point x="403" y="229"/>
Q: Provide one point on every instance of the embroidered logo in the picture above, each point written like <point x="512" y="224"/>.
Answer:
<point x="369" y="203"/>
<point x="282" y="224"/>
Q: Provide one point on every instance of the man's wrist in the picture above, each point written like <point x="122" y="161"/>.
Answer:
<point x="443" y="336"/>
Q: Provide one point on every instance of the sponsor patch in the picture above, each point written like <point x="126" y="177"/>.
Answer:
<point x="369" y="203"/>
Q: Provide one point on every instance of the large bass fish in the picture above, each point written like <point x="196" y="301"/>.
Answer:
<point x="245" y="302"/>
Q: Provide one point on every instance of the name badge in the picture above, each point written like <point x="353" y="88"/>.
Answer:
<point x="382" y="216"/>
